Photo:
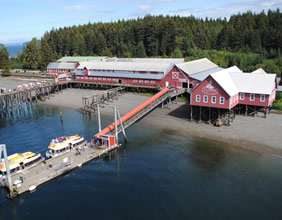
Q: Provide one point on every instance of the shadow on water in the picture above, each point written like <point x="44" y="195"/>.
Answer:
<point x="206" y="154"/>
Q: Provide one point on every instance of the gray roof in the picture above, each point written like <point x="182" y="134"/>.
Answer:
<point x="126" y="66"/>
<point x="61" y="65"/>
<point x="201" y="76"/>
<point x="196" y="66"/>
<point x="126" y="75"/>
<point x="147" y="60"/>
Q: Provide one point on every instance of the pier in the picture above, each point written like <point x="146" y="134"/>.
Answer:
<point x="29" y="179"/>
<point x="90" y="102"/>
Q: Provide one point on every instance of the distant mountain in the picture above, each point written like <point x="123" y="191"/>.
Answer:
<point x="13" y="49"/>
<point x="1" y="45"/>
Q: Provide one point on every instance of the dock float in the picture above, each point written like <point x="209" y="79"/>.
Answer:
<point x="28" y="180"/>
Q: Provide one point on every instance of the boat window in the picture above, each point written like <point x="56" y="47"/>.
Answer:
<point x="53" y="151"/>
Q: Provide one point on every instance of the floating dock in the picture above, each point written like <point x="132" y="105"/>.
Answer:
<point x="31" y="178"/>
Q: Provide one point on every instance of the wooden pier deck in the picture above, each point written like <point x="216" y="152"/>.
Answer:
<point x="55" y="167"/>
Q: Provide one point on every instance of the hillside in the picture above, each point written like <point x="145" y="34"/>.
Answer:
<point x="247" y="40"/>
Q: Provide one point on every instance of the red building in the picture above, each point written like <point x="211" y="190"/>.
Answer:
<point x="233" y="90"/>
<point x="151" y="74"/>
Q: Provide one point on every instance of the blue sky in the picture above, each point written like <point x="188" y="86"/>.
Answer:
<point x="23" y="19"/>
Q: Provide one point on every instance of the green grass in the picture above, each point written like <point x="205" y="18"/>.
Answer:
<point x="277" y="105"/>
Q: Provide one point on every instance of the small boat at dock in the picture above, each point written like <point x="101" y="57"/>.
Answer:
<point x="63" y="144"/>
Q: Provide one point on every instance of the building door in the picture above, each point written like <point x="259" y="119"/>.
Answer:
<point x="119" y="81"/>
<point x="166" y="83"/>
<point x="185" y="85"/>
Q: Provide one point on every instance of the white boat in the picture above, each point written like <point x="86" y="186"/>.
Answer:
<point x="62" y="145"/>
<point x="18" y="162"/>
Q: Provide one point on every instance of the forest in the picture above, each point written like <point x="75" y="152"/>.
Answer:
<point x="249" y="40"/>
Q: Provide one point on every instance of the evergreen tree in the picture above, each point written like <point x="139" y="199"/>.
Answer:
<point x="140" y="50"/>
<point x="31" y="55"/>
<point x="4" y="61"/>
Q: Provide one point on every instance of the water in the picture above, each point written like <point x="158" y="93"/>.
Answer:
<point x="157" y="175"/>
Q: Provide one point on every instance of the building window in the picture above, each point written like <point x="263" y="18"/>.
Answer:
<point x="109" y="79"/>
<point x="206" y="99"/>
<point x="252" y="97"/>
<point x="95" y="78"/>
<point x="213" y="99"/>
<point x="141" y="81"/>
<point x="146" y="81"/>
<point x="262" y="98"/>
<point x="99" y="78"/>
<point x="135" y="81"/>
<point x="104" y="79"/>
<point x="242" y="96"/>
<point x="153" y="82"/>
<point x="198" y="98"/>
<point x="221" y="100"/>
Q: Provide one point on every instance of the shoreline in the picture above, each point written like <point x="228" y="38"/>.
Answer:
<point x="250" y="133"/>
<point x="261" y="135"/>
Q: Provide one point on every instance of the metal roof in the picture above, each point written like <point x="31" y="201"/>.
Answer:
<point x="254" y="83"/>
<point x="126" y="75"/>
<point x="79" y="59"/>
<point x="259" y="71"/>
<point x="201" y="76"/>
<point x="147" y="60"/>
<point x="56" y="65"/>
<point x="225" y="81"/>
<point x="126" y="66"/>
<point x="196" y="66"/>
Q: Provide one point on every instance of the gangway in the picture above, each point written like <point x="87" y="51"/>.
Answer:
<point x="140" y="111"/>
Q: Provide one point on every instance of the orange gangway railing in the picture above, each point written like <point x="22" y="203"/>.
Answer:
<point x="131" y="113"/>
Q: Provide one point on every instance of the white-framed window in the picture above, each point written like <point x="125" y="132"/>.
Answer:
<point x="95" y="78"/>
<point x="242" y="96"/>
<point x="78" y="77"/>
<point x="252" y="97"/>
<point x="221" y="100"/>
<point x="141" y="81"/>
<point x="104" y="79"/>
<point x="153" y="82"/>
<point x="109" y="79"/>
<point x="206" y="99"/>
<point x="262" y="98"/>
<point x="146" y="81"/>
<point x="135" y="81"/>
<point x="86" y="77"/>
<point x="99" y="78"/>
<point x="198" y="98"/>
<point x="213" y="99"/>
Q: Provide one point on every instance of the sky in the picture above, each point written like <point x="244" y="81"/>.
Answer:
<point x="21" y="20"/>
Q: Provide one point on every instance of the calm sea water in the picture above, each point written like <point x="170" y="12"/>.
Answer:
<point x="157" y="175"/>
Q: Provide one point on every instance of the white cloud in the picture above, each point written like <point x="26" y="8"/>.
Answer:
<point x="73" y="8"/>
<point x="229" y="9"/>
<point x="145" y="7"/>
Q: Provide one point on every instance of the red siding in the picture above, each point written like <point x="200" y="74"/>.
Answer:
<point x="113" y="80"/>
<point x="174" y="78"/>
<point x="256" y="102"/>
<point x="209" y="88"/>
